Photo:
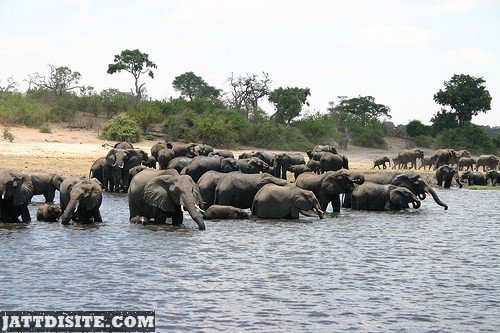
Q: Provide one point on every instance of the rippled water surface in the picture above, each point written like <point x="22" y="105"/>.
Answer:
<point x="414" y="271"/>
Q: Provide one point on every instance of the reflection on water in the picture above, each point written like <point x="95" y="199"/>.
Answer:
<point x="419" y="270"/>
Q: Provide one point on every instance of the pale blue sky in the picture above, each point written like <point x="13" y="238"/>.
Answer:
<point x="399" y="51"/>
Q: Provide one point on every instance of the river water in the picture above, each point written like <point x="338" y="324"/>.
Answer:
<point x="414" y="271"/>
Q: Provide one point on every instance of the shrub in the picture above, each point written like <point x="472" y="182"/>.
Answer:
<point x="147" y="116"/>
<point x="416" y="128"/>
<point x="176" y="127"/>
<point x="424" y="141"/>
<point x="150" y="137"/>
<point x="468" y="136"/>
<point x="121" y="128"/>
<point x="44" y="128"/>
<point x="7" y="135"/>
<point x="17" y="109"/>
<point x="318" y="128"/>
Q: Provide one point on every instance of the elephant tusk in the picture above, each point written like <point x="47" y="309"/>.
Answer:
<point x="3" y="195"/>
<point x="182" y="208"/>
<point x="199" y="208"/>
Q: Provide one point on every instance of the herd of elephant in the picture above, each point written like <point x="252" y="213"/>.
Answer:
<point x="211" y="184"/>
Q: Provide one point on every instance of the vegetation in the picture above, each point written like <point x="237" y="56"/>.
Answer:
<point x="121" y="128"/>
<point x="7" y="135"/>
<point x="192" y="86"/>
<point x="288" y="103"/>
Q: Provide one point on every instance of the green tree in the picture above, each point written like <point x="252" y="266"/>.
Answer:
<point x="136" y="63"/>
<point x="362" y="107"/>
<point x="191" y="86"/>
<point x="465" y="95"/>
<point x="416" y="128"/>
<point x="443" y="120"/>
<point x="288" y="103"/>
<point x="61" y="80"/>
<point x="114" y="101"/>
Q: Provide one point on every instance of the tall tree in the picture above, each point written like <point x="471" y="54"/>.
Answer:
<point x="61" y="80"/>
<point x="465" y="95"/>
<point x="190" y="85"/>
<point x="288" y="103"/>
<point x="247" y="91"/>
<point x="136" y="63"/>
<point x="363" y="107"/>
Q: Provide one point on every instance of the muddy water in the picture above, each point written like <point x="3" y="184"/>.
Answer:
<point x="412" y="271"/>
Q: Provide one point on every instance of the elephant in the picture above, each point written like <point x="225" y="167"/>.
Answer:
<point x="207" y="184"/>
<point x="328" y="148"/>
<point x="178" y="163"/>
<point x="406" y="156"/>
<point x="427" y="161"/>
<point x="97" y="171"/>
<point x="413" y="182"/>
<point x="252" y="165"/>
<point x="283" y="161"/>
<point x="487" y="161"/>
<point x="328" y="186"/>
<point x="150" y="162"/>
<point x="494" y="176"/>
<point x="284" y="202"/>
<point x="46" y="184"/>
<point x="80" y="200"/>
<point x="299" y="169"/>
<point x="381" y="162"/>
<point x="155" y="194"/>
<point x="48" y="212"/>
<point x="159" y="146"/>
<point x="185" y="149"/>
<point x="395" y="162"/>
<point x="315" y="155"/>
<point x="165" y="155"/>
<point x="314" y="166"/>
<point x="371" y="196"/>
<point x="343" y="143"/>
<point x="118" y="163"/>
<point x="444" y="156"/>
<point x="16" y="190"/>
<point x="333" y="162"/>
<point x="445" y="174"/>
<point x="222" y="153"/>
<point x="466" y="162"/>
<point x="264" y="156"/>
<point x="201" y="164"/>
<point x="203" y="149"/>
<point x="123" y="145"/>
<point x="460" y="154"/>
<point x="474" y="178"/>
<point x="238" y="189"/>
<point x="220" y="212"/>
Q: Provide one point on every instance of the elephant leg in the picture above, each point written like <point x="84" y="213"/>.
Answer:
<point x="177" y="217"/>
<point x="336" y="203"/>
<point x="97" y="215"/>
<point x="160" y="216"/>
<point x="25" y="214"/>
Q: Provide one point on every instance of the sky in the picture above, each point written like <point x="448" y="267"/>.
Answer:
<point x="398" y="51"/>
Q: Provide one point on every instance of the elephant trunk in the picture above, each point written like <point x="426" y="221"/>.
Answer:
<point x="192" y="209"/>
<point x="431" y="191"/>
<point x="416" y="204"/>
<point x="70" y="209"/>
<point x="320" y="213"/>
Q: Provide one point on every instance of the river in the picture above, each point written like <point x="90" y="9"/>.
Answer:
<point x="413" y="271"/>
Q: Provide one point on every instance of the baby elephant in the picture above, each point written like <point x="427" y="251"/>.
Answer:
<point x="494" y="176"/>
<point x="381" y="162"/>
<point x="215" y="212"/>
<point x="48" y="212"/>
<point x="474" y="178"/>
<point x="371" y="196"/>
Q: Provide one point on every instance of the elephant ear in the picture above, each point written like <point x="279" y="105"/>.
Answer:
<point x="56" y="180"/>
<point x="24" y="191"/>
<point x="330" y="183"/>
<point x="301" y="201"/>
<point x="397" y="197"/>
<point x="111" y="157"/>
<point x="157" y="193"/>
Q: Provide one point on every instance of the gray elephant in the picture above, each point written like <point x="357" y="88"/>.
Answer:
<point x="283" y="161"/>
<point x="16" y="190"/>
<point x="156" y="195"/>
<point x="252" y="165"/>
<point x="406" y="156"/>
<point x="97" y="171"/>
<point x="207" y="184"/>
<point x="164" y="157"/>
<point x="333" y="162"/>
<point x="488" y="162"/>
<point x="445" y="156"/>
<point x="80" y="200"/>
<point x="315" y="155"/>
<point x="203" y="149"/>
<point x="155" y="149"/>
<point x="428" y="161"/>
<point x="123" y="145"/>
<point x="328" y="186"/>
<point x="118" y="163"/>
<point x="381" y="162"/>
<point x="466" y="162"/>
<point x="220" y="212"/>
<point x="299" y="169"/>
<point x="201" y="164"/>
<point x="48" y="212"/>
<point x="238" y="189"/>
<point x="185" y="149"/>
<point x="285" y="202"/>
<point x="371" y="196"/>
<point x="222" y="153"/>
<point x="178" y="163"/>
<point x="46" y="184"/>
<point x="493" y="176"/>
<point x="314" y="166"/>
<point x="395" y="162"/>
<point x="413" y="182"/>
<point x="328" y="148"/>
<point x="474" y="178"/>
<point x="445" y="174"/>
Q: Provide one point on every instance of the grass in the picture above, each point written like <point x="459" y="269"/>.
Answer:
<point x="479" y="187"/>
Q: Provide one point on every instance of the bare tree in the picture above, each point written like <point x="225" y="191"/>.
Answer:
<point x="247" y="91"/>
<point x="10" y="87"/>
<point x="61" y="80"/>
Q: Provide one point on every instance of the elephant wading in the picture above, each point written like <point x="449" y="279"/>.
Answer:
<point x="46" y="185"/>
<point x="48" y="212"/>
<point x="201" y="164"/>
<point x="333" y="162"/>
<point x="285" y="202"/>
<point x="80" y="200"/>
<point x="220" y="212"/>
<point x="371" y="196"/>
<point x="328" y="186"/>
<point x="445" y="174"/>
<point x="160" y="194"/>
<point x="414" y="183"/>
<point x="283" y="161"/>
<point x="16" y="190"/>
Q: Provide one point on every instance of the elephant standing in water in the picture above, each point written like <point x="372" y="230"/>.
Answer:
<point x="371" y="196"/>
<point x="328" y="186"/>
<point x="160" y="194"/>
<point x="16" y="190"/>
<point x="285" y="202"/>
<point x="46" y="184"/>
<point x="445" y="174"/>
<point x="201" y="164"/>
<point x="48" y="212"/>
<point x="414" y="183"/>
<point x="220" y="212"/>
<point x="80" y="200"/>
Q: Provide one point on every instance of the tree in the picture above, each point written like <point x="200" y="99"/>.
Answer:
<point x="247" y="90"/>
<point x="416" y="128"/>
<point x="288" y="103"/>
<point x="10" y="87"/>
<point x="465" y="95"/>
<point x="363" y="107"/>
<point x="191" y="86"/>
<point x="443" y="120"/>
<point x="136" y="63"/>
<point x="61" y="80"/>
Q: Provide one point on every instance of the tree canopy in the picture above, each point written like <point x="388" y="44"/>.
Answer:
<point x="465" y="95"/>
<point x="61" y="79"/>
<point x="288" y="103"/>
<point x="191" y="86"/>
<point x="416" y="128"/>
<point x="363" y="107"/>
<point x="247" y="91"/>
<point x="136" y="63"/>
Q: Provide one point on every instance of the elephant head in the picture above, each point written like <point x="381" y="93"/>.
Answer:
<point x="418" y="186"/>
<point x="400" y="197"/>
<point x="17" y="187"/>
<point x="56" y="181"/>
<point x="228" y="164"/>
<point x="117" y="157"/>
<point x="341" y="181"/>
<point x="305" y="201"/>
<point x="494" y="176"/>
<point x="85" y="198"/>
<point x="258" y="164"/>
<point x="169" y="193"/>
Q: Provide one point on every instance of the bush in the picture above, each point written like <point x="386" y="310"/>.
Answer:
<point x="176" y="127"/>
<point x="424" y="141"/>
<point x="147" y="116"/>
<point x="121" y="128"/>
<point x="416" y="128"/>
<point x="17" y="109"/>
<point x="44" y="128"/>
<point x="468" y="136"/>
<point x="318" y="128"/>
<point x="7" y="135"/>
